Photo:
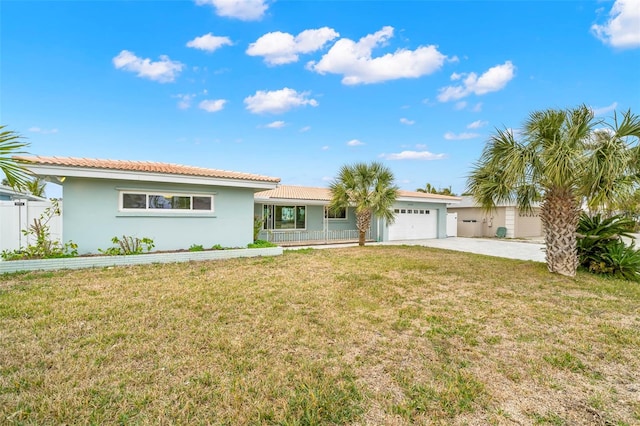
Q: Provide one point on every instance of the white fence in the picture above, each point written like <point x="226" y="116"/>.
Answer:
<point x="16" y="216"/>
<point x="294" y="237"/>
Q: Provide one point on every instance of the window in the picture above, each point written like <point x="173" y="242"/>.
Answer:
<point x="284" y="217"/>
<point x="427" y="212"/>
<point x="154" y="201"/>
<point x="403" y="211"/>
<point x="340" y="214"/>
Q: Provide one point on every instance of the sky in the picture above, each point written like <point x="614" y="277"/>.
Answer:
<point x="297" y="89"/>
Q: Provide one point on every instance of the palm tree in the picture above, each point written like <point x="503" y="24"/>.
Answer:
<point x="11" y="143"/>
<point x="369" y="188"/>
<point x="428" y="189"/>
<point x="35" y="187"/>
<point x="563" y="160"/>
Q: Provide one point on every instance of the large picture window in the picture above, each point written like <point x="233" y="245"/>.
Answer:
<point x="154" y="201"/>
<point x="284" y="217"/>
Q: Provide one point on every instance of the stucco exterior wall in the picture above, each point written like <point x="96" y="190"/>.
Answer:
<point x="487" y="223"/>
<point x="92" y="216"/>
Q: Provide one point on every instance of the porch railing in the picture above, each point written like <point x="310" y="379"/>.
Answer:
<point x="317" y="237"/>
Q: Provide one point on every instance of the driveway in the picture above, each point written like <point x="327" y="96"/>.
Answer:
<point x="510" y="249"/>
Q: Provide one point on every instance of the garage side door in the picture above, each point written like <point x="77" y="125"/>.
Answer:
<point x="414" y="224"/>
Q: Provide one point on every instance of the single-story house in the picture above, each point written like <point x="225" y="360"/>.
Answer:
<point x="298" y="214"/>
<point x="474" y="221"/>
<point x="176" y="206"/>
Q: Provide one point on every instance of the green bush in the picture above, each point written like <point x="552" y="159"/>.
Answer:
<point x="196" y="247"/>
<point x="128" y="245"/>
<point x="217" y="247"/>
<point x="261" y="244"/>
<point x="601" y="249"/>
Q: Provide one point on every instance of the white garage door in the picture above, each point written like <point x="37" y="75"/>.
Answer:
<point x="414" y="224"/>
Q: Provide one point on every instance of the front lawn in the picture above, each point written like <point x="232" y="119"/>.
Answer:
<point x="377" y="335"/>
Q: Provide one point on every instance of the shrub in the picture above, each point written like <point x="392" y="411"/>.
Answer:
<point x="44" y="247"/>
<point x="217" y="247"/>
<point x="129" y="245"/>
<point x="601" y="249"/>
<point x="261" y="244"/>
<point x="196" y="247"/>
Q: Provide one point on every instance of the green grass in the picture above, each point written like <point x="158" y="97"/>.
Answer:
<point x="373" y="335"/>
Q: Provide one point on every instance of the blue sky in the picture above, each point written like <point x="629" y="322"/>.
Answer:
<point x="295" y="89"/>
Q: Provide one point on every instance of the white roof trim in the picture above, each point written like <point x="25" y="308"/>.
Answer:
<point x="85" y="172"/>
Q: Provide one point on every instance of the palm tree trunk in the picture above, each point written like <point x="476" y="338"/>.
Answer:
<point x="559" y="213"/>
<point x="363" y="221"/>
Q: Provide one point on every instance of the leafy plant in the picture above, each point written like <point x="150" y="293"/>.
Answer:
<point x="261" y="244"/>
<point x="44" y="247"/>
<point x="217" y="247"/>
<point x="129" y="245"/>
<point x="601" y="249"/>
<point x="257" y="227"/>
<point x="196" y="247"/>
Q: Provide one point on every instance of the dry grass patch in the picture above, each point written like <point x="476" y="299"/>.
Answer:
<point x="374" y="335"/>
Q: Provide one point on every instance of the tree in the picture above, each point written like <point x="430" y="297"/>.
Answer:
<point x="430" y="189"/>
<point x="562" y="158"/>
<point x="369" y="188"/>
<point x="11" y="143"/>
<point x="35" y="187"/>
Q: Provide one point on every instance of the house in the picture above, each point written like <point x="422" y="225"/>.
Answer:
<point x="298" y="215"/>
<point x="9" y="194"/>
<point x="474" y="221"/>
<point x="176" y="206"/>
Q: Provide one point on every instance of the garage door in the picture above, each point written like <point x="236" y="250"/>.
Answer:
<point x="414" y="224"/>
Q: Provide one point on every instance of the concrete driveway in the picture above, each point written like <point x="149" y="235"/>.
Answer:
<point x="510" y="249"/>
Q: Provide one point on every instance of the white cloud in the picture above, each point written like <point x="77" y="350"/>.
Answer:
<point x="413" y="155"/>
<point x="450" y="136"/>
<point x="305" y="129"/>
<point x="407" y="121"/>
<point x="494" y="79"/>
<point x="43" y="131"/>
<point x="277" y="101"/>
<point x="477" y="124"/>
<point x="623" y="27"/>
<point x="325" y="148"/>
<point x="327" y="178"/>
<point x="212" y="105"/>
<point x="477" y="107"/>
<point x="355" y="62"/>
<point x="245" y="10"/>
<point x="355" y="142"/>
<point x="605" y="110"/>
<point x="185" y="100"/>
<point x="279" y="48"/>
<point x="276" y="124"/>
<point x="209" y="42"/>
<point x="165" y="70"/>
<point x="460" y="105"/>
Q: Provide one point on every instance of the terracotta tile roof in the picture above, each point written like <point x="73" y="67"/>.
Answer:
<point x="289" y="192"/>
<point x="416" y="194"/>
<point x="143" y="166"/>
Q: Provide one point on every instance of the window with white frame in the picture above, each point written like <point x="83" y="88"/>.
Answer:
<point x="335" y="214"/>
<point x="157" y="201"/>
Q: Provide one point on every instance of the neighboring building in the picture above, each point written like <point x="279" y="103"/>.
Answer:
<point x="473" y="221"/>
<point x="175" y="205"/>
<point x="297" y="215"/>
<point x="9" y="194"/>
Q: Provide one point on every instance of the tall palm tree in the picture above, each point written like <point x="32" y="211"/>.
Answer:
<point x="562" y="159"/>
<point x="369" y="188"/>
<point x="428" y="189"/>
<point x="11" y="143"/>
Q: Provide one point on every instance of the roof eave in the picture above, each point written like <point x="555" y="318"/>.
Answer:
<point x="57" y="172"/>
